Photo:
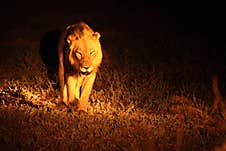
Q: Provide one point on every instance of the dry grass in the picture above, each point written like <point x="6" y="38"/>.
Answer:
<point x="133" y="106"/>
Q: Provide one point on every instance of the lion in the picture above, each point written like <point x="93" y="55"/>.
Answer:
<point x="80" y="56"/>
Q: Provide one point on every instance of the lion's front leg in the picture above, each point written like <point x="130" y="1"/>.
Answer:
<point x="85" y="91"/>
<point x="73" y="88"/>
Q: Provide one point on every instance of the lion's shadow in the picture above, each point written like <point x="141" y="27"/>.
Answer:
<point x="49" y="54"/>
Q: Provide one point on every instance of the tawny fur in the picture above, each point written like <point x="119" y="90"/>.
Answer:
<point x="80" y="55"/>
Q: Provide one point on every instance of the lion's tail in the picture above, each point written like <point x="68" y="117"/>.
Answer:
<point x="218" y="99"/>
<point x="216" y="93"/>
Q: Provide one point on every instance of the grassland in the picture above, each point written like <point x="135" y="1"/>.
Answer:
<point x="146" y="95"/>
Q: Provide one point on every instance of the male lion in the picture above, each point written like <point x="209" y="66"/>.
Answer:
<point x="80" y="55"/>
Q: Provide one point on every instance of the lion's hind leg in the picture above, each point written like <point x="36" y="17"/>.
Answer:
<point x="64" y="95"/>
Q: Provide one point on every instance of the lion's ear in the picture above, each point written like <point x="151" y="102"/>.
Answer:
<point x="70" y="38"/>
<point x="96" y="35"/>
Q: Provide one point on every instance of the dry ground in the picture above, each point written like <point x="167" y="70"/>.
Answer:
<point x="143" y="98"/>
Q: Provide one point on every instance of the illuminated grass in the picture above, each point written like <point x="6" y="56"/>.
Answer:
<point x="122" y="116"/>
<point x="132" y="107"/>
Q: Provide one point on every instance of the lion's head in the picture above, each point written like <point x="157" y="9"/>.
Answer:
<point x="85" y="53"/>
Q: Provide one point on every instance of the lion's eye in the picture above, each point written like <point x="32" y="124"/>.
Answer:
<point x="92" y="52"/>
<point x="78" y="55"/>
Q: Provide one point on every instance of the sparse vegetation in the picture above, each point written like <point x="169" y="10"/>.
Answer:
<point x="133" y="106"/>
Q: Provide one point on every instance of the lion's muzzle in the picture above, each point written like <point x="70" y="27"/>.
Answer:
<point x="85" y="70"/>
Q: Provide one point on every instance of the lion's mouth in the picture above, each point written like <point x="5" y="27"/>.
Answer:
<point x="85" y="73"/>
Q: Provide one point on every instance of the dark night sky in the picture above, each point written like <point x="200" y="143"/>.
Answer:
<point x="192" y="18"/>
<point x="205" y="17"/>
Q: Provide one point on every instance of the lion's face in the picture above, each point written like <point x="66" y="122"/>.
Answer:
<point x="85" y="52"/>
